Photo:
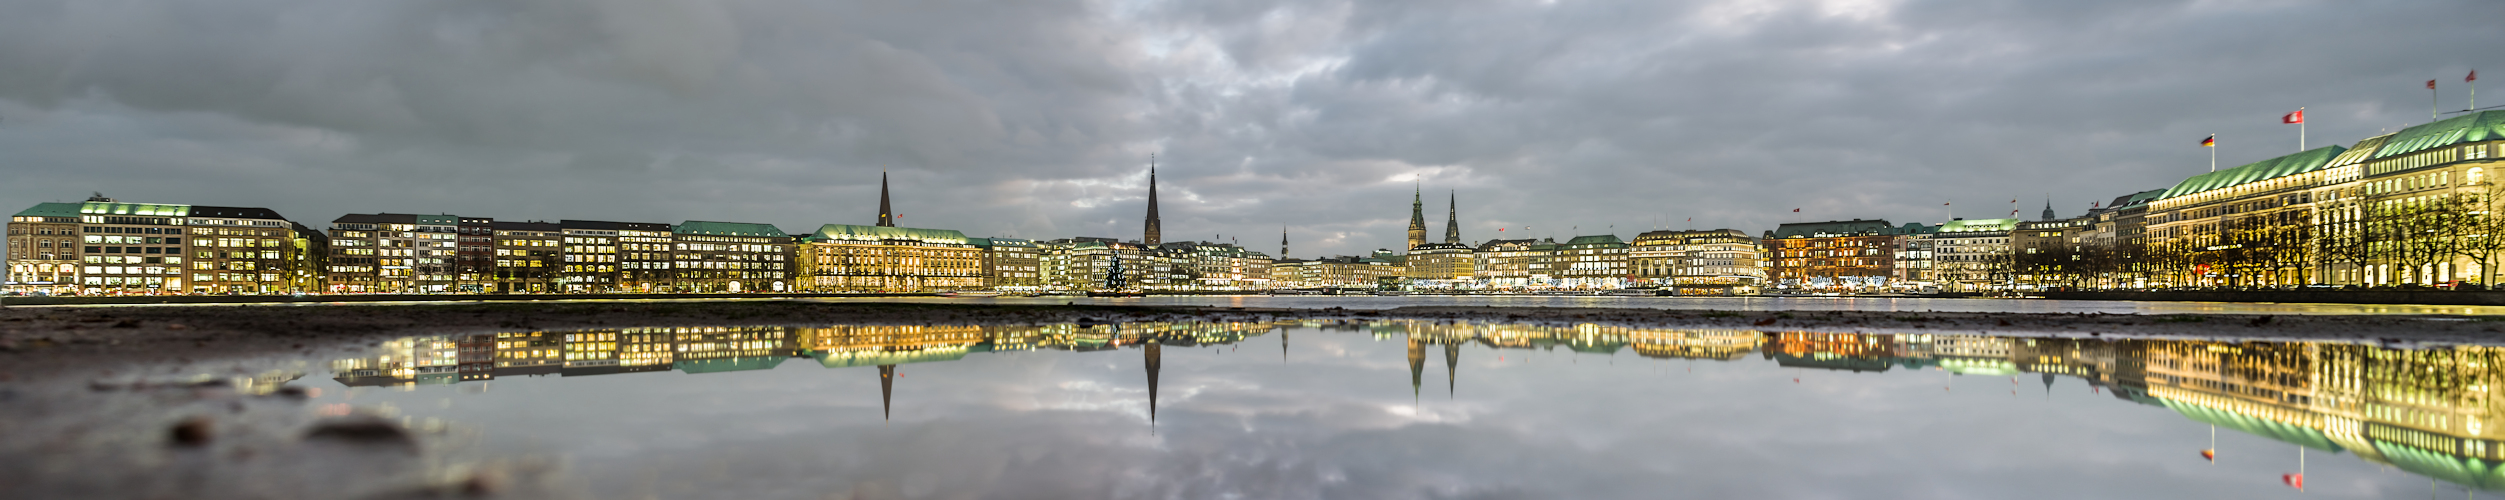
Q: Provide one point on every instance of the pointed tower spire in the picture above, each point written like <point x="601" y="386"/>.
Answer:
<point x="886" y="389"/>
<point x="1417" y="363"/>
<point x="1282" y="242"/>
<point x="1452" y="219"/>
<point x="2048" y="208"/>
<point x="1156" y="357"/>
<point x="1452" y="358"/>
<point x="886" y="216"/>
<point x="1154" y="230"/>
<point x="1417" y="218"/>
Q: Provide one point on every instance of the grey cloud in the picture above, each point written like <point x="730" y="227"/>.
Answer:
<point x="1030" y="117"/>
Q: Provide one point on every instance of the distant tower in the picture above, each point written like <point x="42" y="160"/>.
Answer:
<point x="1154" y="229"/>
<point x="886" y="216"/>
<point x="2048" y="209"/>
<point x="1155" y="356"/>
<point x="1417" y="219"/>
<point x="1282" y="242"/>
<point x="886" y="390"/>
<point x="1452" y="220"/>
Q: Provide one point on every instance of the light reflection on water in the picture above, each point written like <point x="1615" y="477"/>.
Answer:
<point x="1904" y="304"/>
<point x="1358" y="409"/>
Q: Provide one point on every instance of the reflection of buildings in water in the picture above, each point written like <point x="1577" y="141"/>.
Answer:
<point x="2431" y="412"/>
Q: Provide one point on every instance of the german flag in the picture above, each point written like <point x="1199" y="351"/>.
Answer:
<point x="2210" y="142"/>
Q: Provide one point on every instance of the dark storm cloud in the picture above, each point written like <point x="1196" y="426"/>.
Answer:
<point x="1033" y="118"/>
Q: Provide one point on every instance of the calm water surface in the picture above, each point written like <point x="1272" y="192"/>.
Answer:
<point x="1401" y="409"/>
<point x="1733" y="304"/>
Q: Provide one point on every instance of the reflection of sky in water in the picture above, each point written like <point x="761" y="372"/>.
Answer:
<point x="1377" y="410"/>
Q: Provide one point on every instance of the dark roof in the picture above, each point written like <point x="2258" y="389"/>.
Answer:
<point x="1602" y="239"/>
<point x="712" y="228"/>
<point x="235" y="212"/>
<point x="1831" y="228"/>
<point x="376" y="219"/>
<point x="527" y="226"/>
<point x="588" y="224"/>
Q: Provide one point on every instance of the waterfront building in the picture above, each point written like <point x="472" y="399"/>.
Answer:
<point x="2250" y="225"/>
<point x="242" y="250"/>
<point x="1915" y="267"/>
<point x="648" y="256"/>
<point x="2428" y="201"/>
<point x="1597" y="261"/>
<point x="1442" y="265"/>
<point x="1218" y="266"/>
<point x="2116" y="242"/>
<point x="1697" y="262"/>
<point x="1515" y="264"/>
<point x="590" y="251"/>
<point x="1974" y="255"/>
<point x="474" y="260"/>
<point x="393" y="253"/>
<point x="2051" y="252"/>
<point x="1010" y="264"/>
<point x="1347" y="272"/>
<point x="849" y="258"/>
<point x="44" y="250"/>
<point x="1846" y="256"/>
<point x="1288" y="273"/>
<point x="730" y="257"/>
<point x="528" y="255"/>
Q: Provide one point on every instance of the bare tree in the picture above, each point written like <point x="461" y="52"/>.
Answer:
<point x="2480" y="232"/>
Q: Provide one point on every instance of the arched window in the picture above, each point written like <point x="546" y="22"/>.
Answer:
<point x="2478" y="175"/>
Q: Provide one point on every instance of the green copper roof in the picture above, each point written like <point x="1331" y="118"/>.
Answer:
<point x="710" y="228"/>
<point x="727" y="364"/>
<point x="2472" y="127"/>
<point x="848" y="232"/>
<point x="1978" y="225"/>
<point x="1605" y="239"/>
<point x="50" y="210"/>
<point x="846" y="359"/>
<point x="2297" y="435"/>
<point x="2359" y="153"/>
<point x="2302" y="162"/>
<point x="143" y="209"/>
<point x="2444" y="466"/>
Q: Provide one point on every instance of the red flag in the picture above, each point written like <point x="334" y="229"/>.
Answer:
<point x="1796" y="210"/>
<point x="2211" y="142"/>
<point x="2210" y="455"/>
<point x="2430" y="84"/>
<point x="2293" y="480"/>
<point x="2474" y="76"/>
<point x="2296" y="117"/>
<point x="1943" y="204"/>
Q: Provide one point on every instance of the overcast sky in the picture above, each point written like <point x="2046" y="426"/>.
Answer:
<point x="1035" y="118"/>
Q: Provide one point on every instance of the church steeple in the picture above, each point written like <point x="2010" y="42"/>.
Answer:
<point x="1156" y="357"/>
<point x="2048" y="209"/>
<point x="1154" y="230"/>
<point x="1417" y="219"/>
<point x="886" y="389"/>
<point x="886" y="216"/>
<point x="1452" y="220"/>
<point x="1282" y="242"/>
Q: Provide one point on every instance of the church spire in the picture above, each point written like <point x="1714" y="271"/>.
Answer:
<point x="886" y="389"/>
<point x="1154" y="233"/>
<point x="886" y="216"/>
<point x="2048" y="208"/>
<point x="1282" y="242"/>
<point x="1417" y="219"/>
<point x="1156" y="357"/>
<point x="1452" y="220"/>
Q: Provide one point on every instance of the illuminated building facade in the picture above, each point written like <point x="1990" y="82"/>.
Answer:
<point x="528" y="255"/>
<point x="1836" y="256"/>
<point x="1698" y="262"/>
<point x="1974" y="255"/>
<point x="848" y="258"/>
<point x="590" y="251"/>
<point x="44" y="250"/>
<point x="1010" y="264"/>
<point x="1598" y="261"/>
<point x="648" y="257"/>
<point x="731" y="257"/>
<point x="393" y="253"/>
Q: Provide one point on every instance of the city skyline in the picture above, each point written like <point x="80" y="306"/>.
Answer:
<point x="1310" y="120"/>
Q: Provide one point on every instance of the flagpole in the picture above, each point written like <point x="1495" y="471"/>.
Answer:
<point x="2300" y="128"/>
<point x="2213" y="152"/>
